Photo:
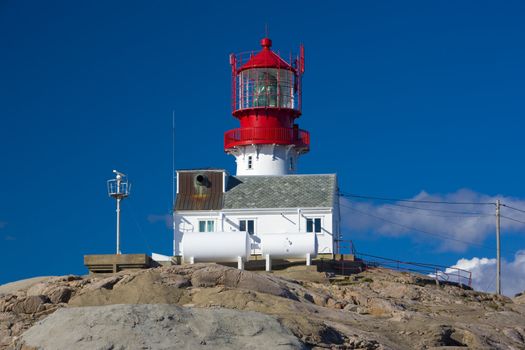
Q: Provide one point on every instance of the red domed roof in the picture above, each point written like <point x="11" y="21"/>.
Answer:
<point x="266" y="58"/>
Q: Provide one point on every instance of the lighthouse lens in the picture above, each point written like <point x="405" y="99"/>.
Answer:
<point x="266" y="87"/>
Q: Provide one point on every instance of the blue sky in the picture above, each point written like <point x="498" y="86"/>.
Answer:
<point x="399" y="97"/>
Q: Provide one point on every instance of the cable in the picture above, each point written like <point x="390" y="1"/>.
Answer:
<point x="415" y="229"/>
<point x="413" y="200"/>
<point x="478" y="215"/>
<point x="425" y="232"/>
<point x="508" y="206"/>
<point x="512" y="219"/>
<point x="442" y="210"/>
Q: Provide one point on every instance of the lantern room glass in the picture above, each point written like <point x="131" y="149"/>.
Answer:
<point x="266" y="87"/>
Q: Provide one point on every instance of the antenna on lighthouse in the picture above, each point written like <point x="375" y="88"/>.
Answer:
<point x="119" y="188"/>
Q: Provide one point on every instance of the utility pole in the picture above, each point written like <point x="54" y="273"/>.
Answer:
<point x="498" y="248"/>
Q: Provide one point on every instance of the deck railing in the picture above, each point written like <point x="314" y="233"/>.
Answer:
<point x="280" y="136"/>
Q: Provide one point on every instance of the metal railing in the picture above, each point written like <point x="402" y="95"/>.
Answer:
<point x="345" y="246"/>
<point x="241" y="58"/>
<point x="440" y="273"/>
<point x="292" y="99"/>
<point x="282" y="136"/>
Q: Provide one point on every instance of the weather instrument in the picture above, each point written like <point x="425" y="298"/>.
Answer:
<point x="119" y="188"/>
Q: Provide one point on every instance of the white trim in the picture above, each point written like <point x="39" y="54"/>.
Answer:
<point x="299" y="214"/>
<point x="247" y="210"/>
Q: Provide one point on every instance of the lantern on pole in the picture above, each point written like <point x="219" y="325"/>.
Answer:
<point x="119" y="188"/>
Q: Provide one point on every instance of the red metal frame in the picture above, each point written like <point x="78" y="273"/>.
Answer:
<point x="279" y="136"/>
<point x="267" y="98"/>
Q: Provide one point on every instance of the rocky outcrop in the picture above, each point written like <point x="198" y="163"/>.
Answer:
<point x="158" y="327"/>
<point x="376" y="309"/>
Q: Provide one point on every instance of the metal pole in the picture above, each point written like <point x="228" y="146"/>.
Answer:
<point x="498" y="249"/>
<point x="118" y="225"/>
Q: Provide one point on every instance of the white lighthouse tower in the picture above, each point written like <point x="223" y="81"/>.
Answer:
<point x="266" y="99"/>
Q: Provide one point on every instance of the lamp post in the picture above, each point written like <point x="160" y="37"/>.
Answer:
<point x="118" y="188"/>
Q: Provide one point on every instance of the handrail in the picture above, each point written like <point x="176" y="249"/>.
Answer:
<point x="438" y="272"/>
<point x="247" y="136"/>
<point x="348" y="244"/>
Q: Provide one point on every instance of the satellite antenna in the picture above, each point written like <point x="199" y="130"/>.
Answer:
<point x="119" y="188"/>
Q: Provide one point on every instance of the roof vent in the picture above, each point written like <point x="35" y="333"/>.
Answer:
<point x="202" y="180"/>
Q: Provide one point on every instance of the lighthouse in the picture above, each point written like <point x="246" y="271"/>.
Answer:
<point x="265" y="209"/>
<point x="266" y="99"/>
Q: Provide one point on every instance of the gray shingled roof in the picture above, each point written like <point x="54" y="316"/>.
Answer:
<point x="289" y="191"/>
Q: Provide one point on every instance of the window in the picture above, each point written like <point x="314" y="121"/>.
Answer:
<point x="247" y="226"/>
<point x="206" y="226"/>
<point x="313" y="225"/>
<point x="250" y="162"/>
<point x="267" y="87"/>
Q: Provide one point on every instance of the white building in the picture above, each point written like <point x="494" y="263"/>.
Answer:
<point x="260" y="205"/>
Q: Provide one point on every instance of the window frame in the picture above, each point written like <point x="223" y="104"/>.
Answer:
<point x="207" y="225"/>
<point x="314" y="223"/>
<point x="247" y="225"/>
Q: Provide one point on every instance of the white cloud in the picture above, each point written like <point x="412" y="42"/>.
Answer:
<point x="484" y="273"/>
<point x="467" y="223"/>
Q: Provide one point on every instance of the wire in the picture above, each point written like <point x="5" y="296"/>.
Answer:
<point x="415" y="229"/>
<point x="442" y="210"/>
<point x="465" y="214"/>
<point x="508" y="206"/>
<point x="423" y="231"/>
<point x="414" y="200"/>
<point x="512" y="219"/>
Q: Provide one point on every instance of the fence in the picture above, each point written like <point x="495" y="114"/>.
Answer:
<point x="440" y="273"/>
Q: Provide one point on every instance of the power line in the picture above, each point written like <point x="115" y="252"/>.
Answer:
<point x="512" y="219"/>
<point x="442" y="210"/>
<point x="498" y="216"/>
<point x="464" y="214"/>
<point x="513" y="208"/>
<point x="413" y="200"/>
<point x="415" y="229"/>
<point x="447" y="237"/>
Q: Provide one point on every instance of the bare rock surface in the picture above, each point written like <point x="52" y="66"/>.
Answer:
<point x="13" y="287"/>
<point x="375" y="309"/>
<point x="158" y="327"/>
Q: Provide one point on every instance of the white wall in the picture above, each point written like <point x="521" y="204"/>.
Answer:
<point x="266" y="159"/>
<point x="266" y="221"/>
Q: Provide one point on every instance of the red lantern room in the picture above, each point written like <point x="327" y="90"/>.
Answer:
<point x="266" y="98"/>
